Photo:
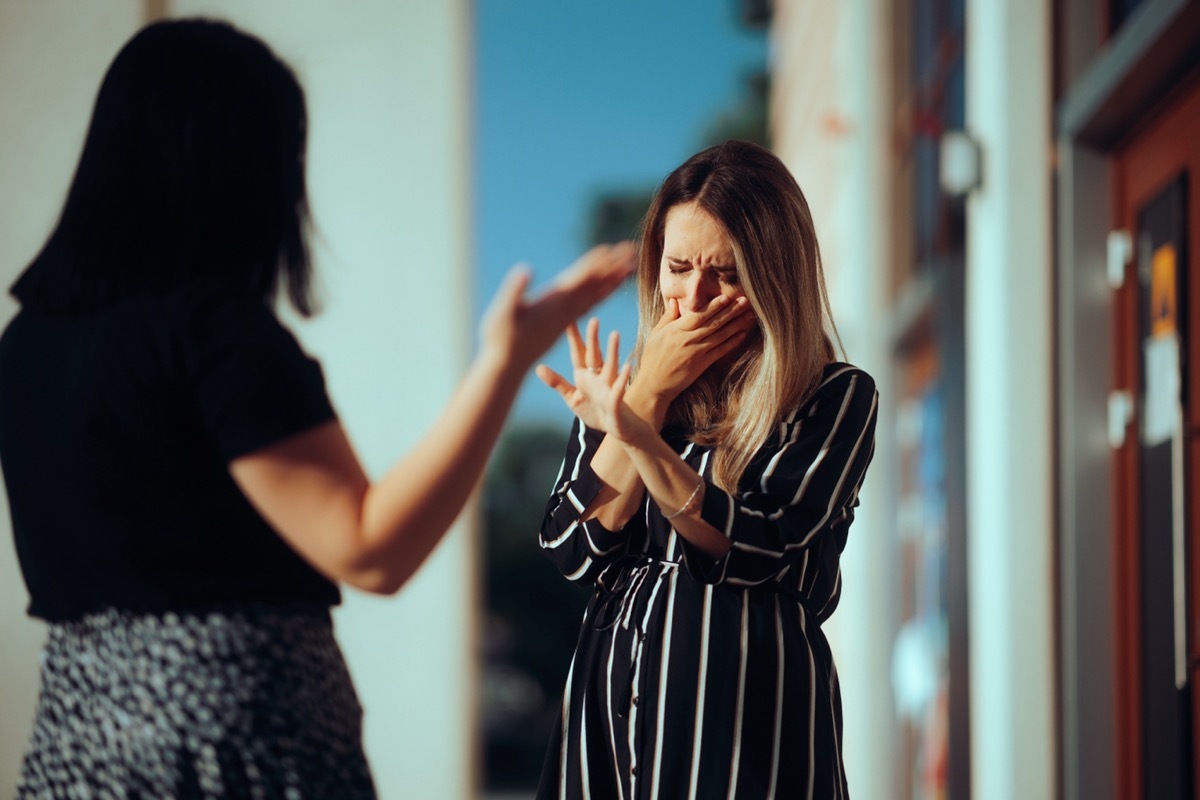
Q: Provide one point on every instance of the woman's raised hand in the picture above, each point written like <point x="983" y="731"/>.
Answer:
<point x="517" y="330"/>
<point x="589" y="368"/>
<point x="597" y="395"/>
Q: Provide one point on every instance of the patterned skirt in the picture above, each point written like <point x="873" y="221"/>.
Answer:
<point x="251" y="702"/>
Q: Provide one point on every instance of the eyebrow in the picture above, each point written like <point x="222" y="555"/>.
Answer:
<point x="717" y="267"/>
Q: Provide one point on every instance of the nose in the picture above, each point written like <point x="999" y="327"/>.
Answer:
<point x="697" y="293"/>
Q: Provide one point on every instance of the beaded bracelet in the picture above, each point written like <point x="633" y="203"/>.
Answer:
<point x="687" y="505"/>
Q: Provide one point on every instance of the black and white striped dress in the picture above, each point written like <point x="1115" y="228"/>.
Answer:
<point x="696" y="678"/>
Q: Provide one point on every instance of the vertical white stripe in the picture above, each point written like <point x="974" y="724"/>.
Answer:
<point x="664" y="570"/>
<point x="632" y="734"/>
<point x="612" y="731"/>
<point x="582" y="450"/>
<point x="837" y="746"/>
<point x="563" y="751"/>
<point x="812" y="703"/>
<point x="774" y="462"/>
<point x="558" y="479"/>
<point x="736" y="758"/>
<point x="834" y="430"/>
<point x="779" y="706"/>
<point x="584" y="781"/>
<point x="662" y="685"/>
<point x="705" y="622"/>
<point x="796" y="429"/>
<point x="833" y="495"/>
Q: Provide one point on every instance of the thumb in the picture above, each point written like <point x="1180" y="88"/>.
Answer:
<point x="512" y="288"/>
<point x="670" y="311"/>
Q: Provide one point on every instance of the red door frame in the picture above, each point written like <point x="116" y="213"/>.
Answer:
<point x="1168" y="144"/>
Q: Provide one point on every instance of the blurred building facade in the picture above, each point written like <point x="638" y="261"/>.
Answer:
<point x="1006" y="194"/>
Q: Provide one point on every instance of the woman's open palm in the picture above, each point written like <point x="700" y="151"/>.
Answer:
<point x="598" y="392"/>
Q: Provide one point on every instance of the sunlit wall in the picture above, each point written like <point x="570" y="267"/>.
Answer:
<point x="828" y="125"/>
<point x="389" y="169"/>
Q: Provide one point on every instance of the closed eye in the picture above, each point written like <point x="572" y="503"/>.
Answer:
<point x="725" y="276"/>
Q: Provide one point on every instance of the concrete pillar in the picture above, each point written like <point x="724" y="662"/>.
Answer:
<point x="1010" y="439"/>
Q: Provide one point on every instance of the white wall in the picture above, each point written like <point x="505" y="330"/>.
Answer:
<point x="389" y="171"/>
<point x="1009" y="336"/>
<point x="52" y="56"/>
<point x="829" y="124"/>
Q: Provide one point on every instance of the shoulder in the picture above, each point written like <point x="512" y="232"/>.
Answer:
<point x="203" y="315"/>
<point x="203" y="303"/>
<point x="842" y="386"/>
<point x="839" y="375"/>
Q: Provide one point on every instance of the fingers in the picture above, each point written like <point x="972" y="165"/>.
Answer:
<point x="512" y="288"/>
<point x="575" y="346"/>
<point x="622" y="383"/>
<point x="670" y="312"/>
<point x="555" y="381"/>
<point x="594" y="361"/>
<point x="598" y="271"/>
<point x="721" y="310"/>
<point x="614" y="354"/>
<point x="732" y="342"/>
<point x="586" y="282"/>
<point x="738" y="318"/>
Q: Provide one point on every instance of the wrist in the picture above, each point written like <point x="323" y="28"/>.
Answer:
<point x="649" y="406"/>
<point x="496" y="369"/>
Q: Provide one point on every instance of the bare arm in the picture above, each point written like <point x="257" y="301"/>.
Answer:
<point x="313" y="490"/>
<point x="813" y="485"/>
<point x="677" y="352"/>
<point x="677" y="489"/>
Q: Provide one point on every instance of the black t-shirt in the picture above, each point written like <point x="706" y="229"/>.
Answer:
<point x="116" y="431"/>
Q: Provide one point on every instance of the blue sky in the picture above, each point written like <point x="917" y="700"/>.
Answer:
<point x="573" y="98"/>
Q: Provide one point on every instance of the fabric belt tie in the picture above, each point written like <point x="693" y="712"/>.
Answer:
<point x="618" y="584"/>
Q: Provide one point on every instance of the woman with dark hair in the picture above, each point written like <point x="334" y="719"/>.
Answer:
<point x="184" y="500"/>
<point x="707" y="496"/>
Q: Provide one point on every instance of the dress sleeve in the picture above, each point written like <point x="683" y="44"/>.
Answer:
<point x="579" y="549"/>
<point x="808" y="486"/>
<point x="249" y="380"/>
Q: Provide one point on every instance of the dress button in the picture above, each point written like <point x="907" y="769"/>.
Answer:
<point x="633" y="771"/>
<point x="635" y="700"/>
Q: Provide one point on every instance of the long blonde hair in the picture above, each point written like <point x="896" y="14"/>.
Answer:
<point x="750" y="192"/>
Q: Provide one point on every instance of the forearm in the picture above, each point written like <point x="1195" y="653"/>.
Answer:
<point x="406" y="512"/>
<point x="678" y="490"/>
<point x="623" y="489"/>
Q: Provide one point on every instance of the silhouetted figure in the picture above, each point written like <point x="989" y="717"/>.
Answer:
<point x="183" y="497"/>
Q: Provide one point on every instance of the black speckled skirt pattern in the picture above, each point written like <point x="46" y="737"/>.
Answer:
<point x="251" y="702"/>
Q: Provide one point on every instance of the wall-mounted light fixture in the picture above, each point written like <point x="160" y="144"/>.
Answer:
<point x="960" y="163"/>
